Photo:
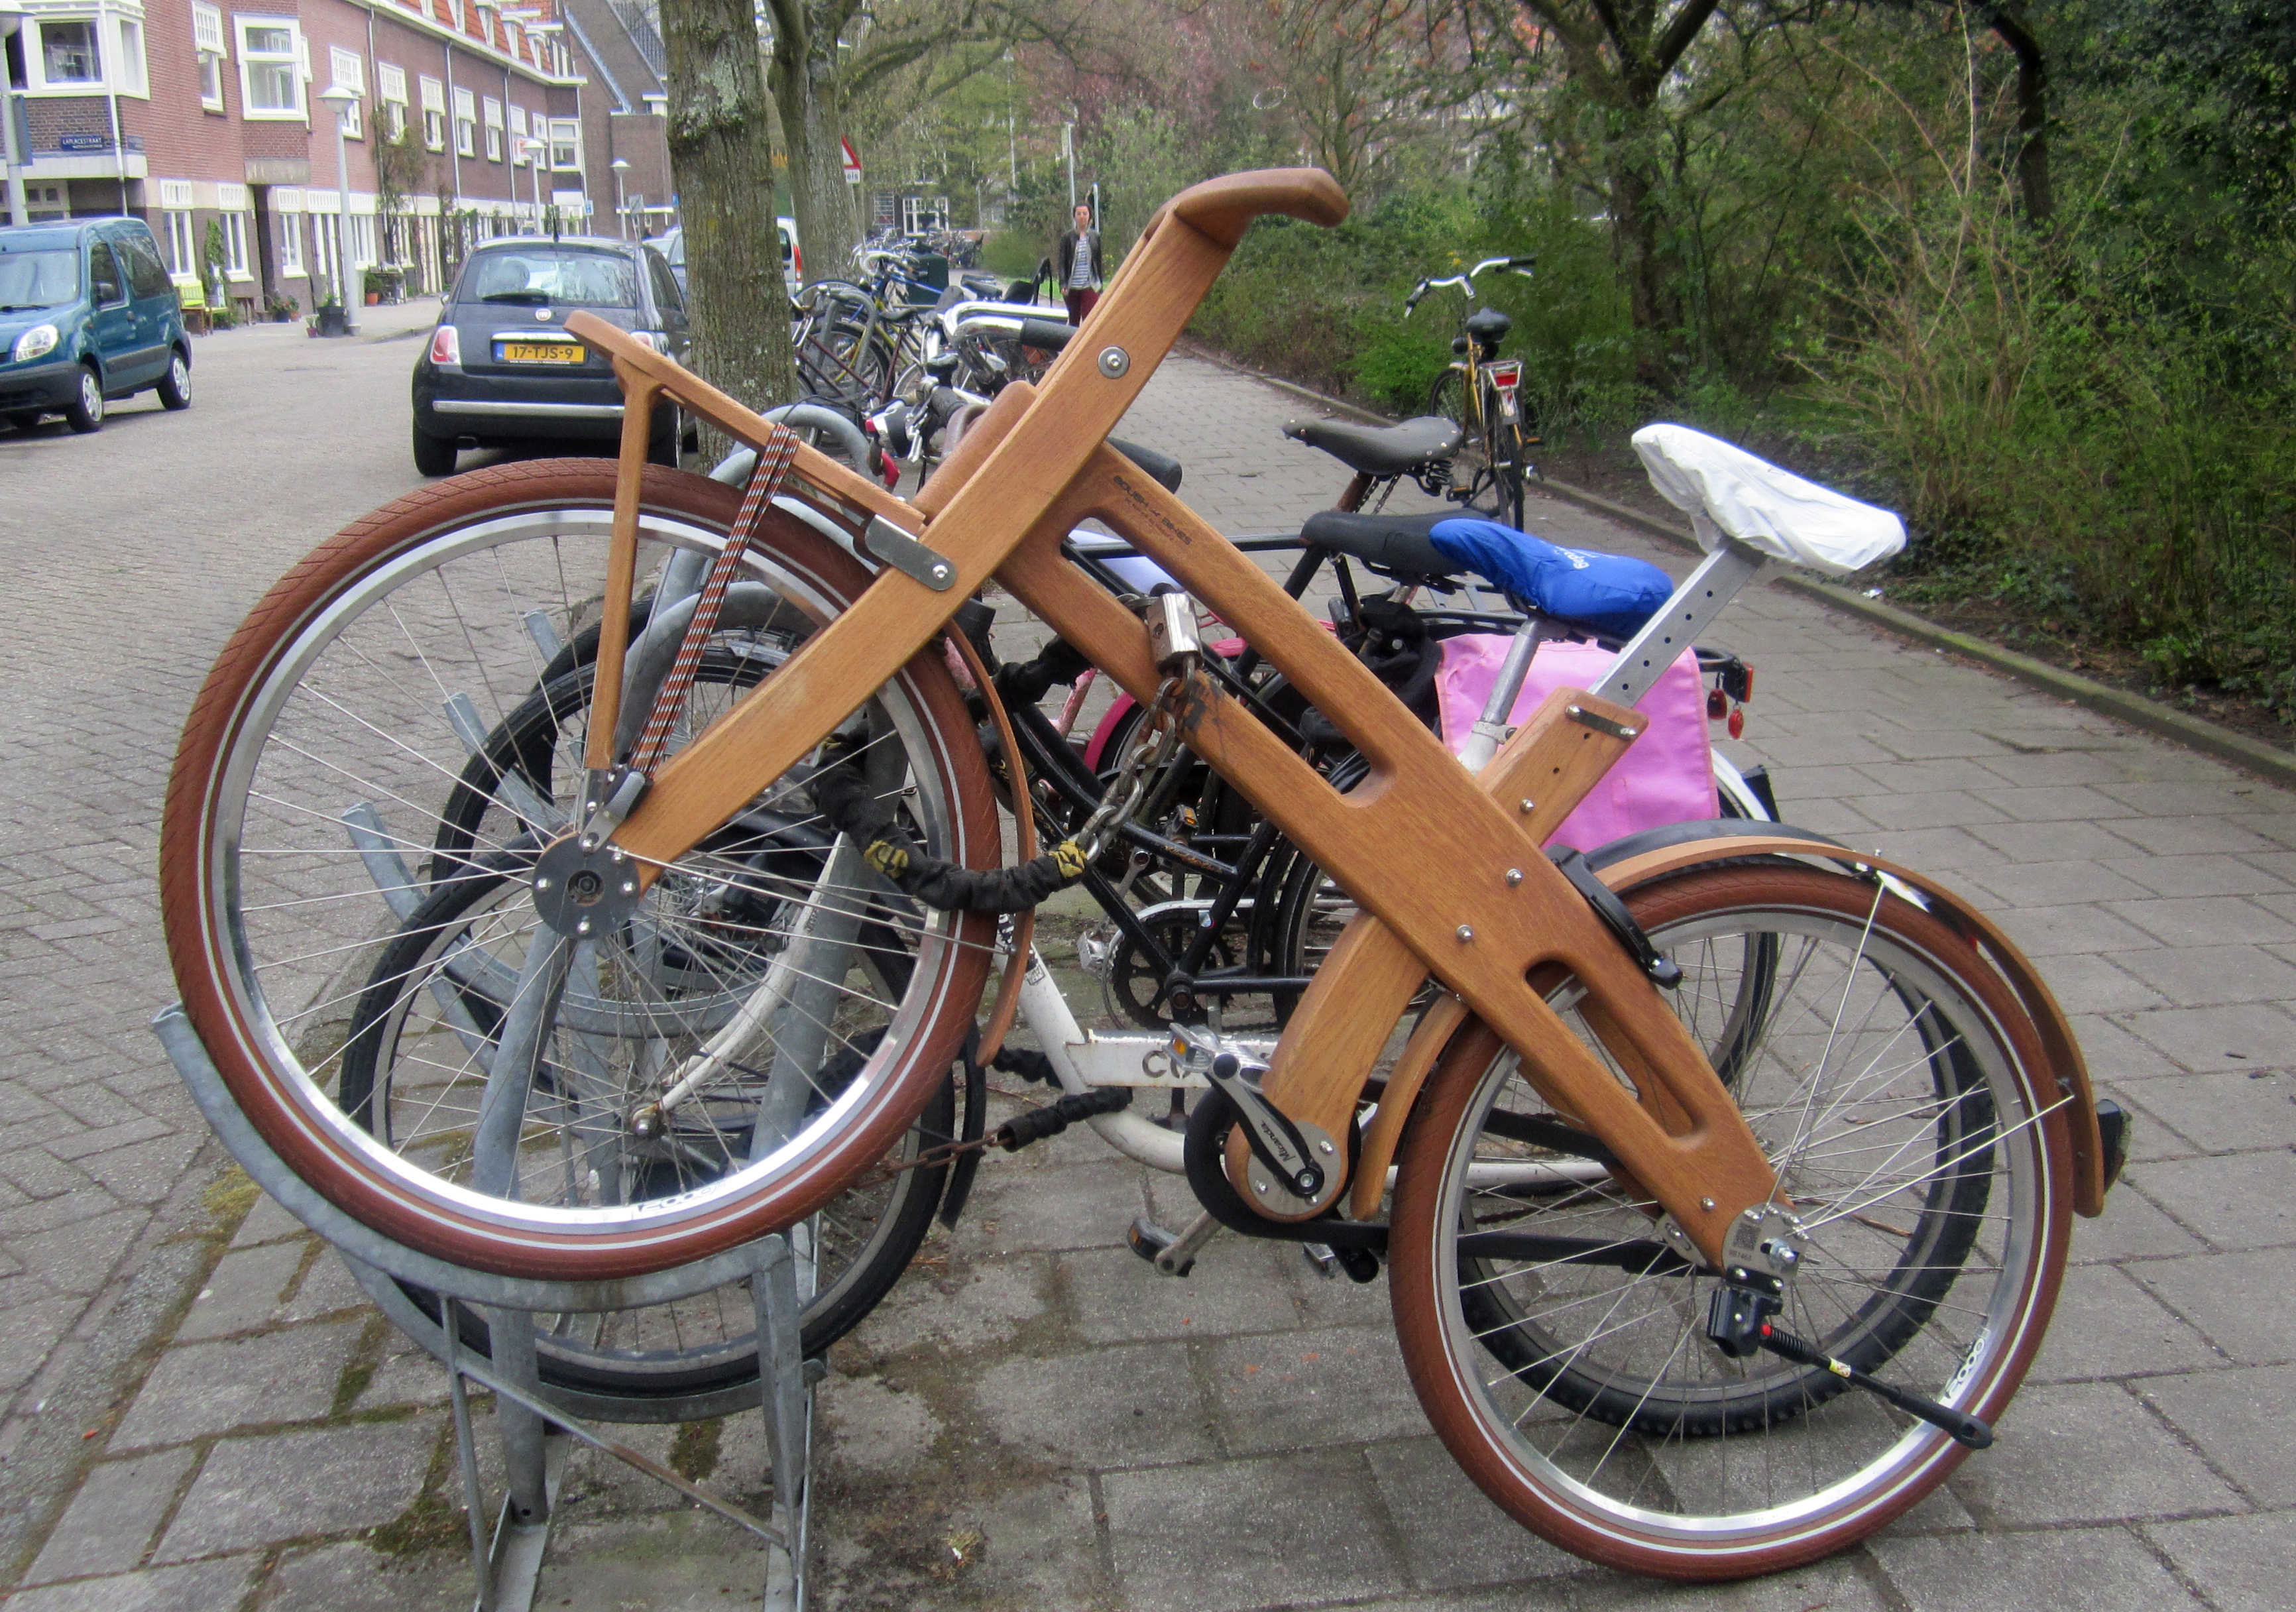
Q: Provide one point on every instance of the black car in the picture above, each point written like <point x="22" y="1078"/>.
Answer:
<point x="501" y="369"/>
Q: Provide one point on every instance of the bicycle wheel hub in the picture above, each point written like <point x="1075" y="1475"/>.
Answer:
<point x="585" y="893"/>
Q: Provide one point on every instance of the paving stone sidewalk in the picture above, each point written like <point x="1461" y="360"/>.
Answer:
<point x="1034" y="1419"/>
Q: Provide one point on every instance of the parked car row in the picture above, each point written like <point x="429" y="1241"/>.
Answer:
<point x="87" y="316"/>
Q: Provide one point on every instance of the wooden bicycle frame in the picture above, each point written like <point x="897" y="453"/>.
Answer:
<point x="1447" y="867"/>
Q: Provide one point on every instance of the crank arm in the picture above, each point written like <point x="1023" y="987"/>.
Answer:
<point x="1273" y="1137"/>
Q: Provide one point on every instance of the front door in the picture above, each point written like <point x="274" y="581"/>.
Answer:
<point x="113" y="326"/>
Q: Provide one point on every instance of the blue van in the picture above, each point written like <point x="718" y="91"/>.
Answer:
<point x="87" y="313"/>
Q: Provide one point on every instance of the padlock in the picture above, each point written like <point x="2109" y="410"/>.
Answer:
<point x="1172" y="636"/>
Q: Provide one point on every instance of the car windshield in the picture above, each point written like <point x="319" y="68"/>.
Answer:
<point x="35" y="280"/>
<point x="541" y="275"/>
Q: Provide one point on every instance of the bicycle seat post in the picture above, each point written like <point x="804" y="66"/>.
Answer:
<point x="1491" y="728"/>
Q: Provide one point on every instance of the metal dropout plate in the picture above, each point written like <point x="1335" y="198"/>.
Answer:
<point x="908" y="556"/>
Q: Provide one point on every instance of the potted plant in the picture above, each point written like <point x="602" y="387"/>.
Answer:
<point x="279" y="307"/>
<point x="329" y="317"/>
<point x="384" y="285"/>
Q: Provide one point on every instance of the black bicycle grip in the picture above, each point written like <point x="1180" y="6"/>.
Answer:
<point x="1046" y="335"/>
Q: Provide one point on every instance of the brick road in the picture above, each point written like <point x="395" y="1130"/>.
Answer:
<point x="1034" y="1419"/>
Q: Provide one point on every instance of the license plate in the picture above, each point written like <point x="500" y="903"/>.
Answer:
<point x="540" y="352"/>
<point x="1505" y="374"/>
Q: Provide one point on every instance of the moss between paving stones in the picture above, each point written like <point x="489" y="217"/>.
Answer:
<point x="694" y="1453"/>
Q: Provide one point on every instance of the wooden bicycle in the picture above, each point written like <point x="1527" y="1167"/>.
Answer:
<point x="1680" y="1156"/>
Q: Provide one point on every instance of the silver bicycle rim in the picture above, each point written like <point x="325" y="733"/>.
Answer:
<point x="1831" y="1458"/>
<point x="294" y="857"/>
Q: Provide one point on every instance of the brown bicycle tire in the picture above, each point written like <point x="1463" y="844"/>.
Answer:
<point x="1415" y="1281"/>
<point x="386" y="1204"/>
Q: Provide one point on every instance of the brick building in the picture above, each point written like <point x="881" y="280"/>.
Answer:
<point x="211" y="120"/>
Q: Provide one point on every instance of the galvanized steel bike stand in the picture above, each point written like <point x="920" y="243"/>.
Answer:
<point x="536" y="1435"/>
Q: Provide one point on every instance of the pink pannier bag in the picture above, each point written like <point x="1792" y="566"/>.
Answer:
<point x="1665" y="776"/>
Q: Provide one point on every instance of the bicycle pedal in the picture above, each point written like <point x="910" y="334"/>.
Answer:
<point x="1321" y="1259"/>
<point x="1148" y="1240"/>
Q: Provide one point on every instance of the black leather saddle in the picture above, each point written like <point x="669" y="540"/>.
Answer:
<point x="1400" y="544"/>
<point x="1380" y="450"/>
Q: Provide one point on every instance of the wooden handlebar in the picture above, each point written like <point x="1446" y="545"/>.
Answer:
<point x="1223" y="208"/>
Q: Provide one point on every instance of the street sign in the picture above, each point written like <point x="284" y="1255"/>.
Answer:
<point x="852" y="162"/>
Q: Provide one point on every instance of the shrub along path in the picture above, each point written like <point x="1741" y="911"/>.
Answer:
<point x="1035" y="1420"/>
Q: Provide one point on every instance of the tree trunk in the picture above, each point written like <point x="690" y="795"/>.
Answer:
<point x="1638" y="230"/>
<point x="2032" y="112"/>
<point x="828" y="214"/>
<point x="721" y="158"/>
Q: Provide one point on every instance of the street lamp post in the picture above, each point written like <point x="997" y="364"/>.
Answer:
<point x="621" y="165"/>
<point x="342" y="98"/>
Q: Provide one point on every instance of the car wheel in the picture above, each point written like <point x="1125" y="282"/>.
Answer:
<point x="176" y="384"/>
<point x="87" y="410"/>
<point x="433" y="456"/>
<point x="663" y="447"/>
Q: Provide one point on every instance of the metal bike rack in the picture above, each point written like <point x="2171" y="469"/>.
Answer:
<point x="536" y="1434"/>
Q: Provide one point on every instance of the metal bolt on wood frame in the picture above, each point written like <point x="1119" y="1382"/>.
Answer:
<point x="1423" y="847"/>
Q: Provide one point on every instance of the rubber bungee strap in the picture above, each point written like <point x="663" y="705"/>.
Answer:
<point x="774" y="457"/>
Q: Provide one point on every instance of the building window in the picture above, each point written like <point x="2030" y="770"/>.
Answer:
<point x="518" y="122"/>
<point x="131" y="78"/>
<point x="270" y="67"/>
<point x="390" y="89"/>
<point x="347" y="69"/>
<point x="291" y="243"/>
<point x="494" y="109"/>
<point x="235" y="246"/>
<point x="434" y="114"/>
<point x="183" y="246"/>
<point x="207" y="39"/>
<point x="68" y="55"/>
<point x="362" y="240"/>
<point x="565" y="145"/>
<point x="466" y="123"/>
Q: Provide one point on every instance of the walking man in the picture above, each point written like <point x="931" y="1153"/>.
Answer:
<point x="1080" y="265"/>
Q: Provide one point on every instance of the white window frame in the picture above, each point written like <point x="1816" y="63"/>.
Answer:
<point x="493" y="110"/>
<point x="466" y="123"/>
<point x="208" y="50"/>
<point x="434" y="106"/>
<point x="234" y="247"/>
<point x="391" y="95"/>
<point x="566" y="145"/>
<point x="362" y="253"/>
<point x="290" y="226"/>
<point x="347" y="69"/>
<point x="182" y="230"/>
<point x="517" y="122"/>
<point x="291" y="59"/>
<point x="130" y="72"/>
<point x="35" y="57"/>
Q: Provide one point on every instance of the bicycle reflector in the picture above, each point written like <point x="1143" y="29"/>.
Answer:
<point x="1505" y="374"/>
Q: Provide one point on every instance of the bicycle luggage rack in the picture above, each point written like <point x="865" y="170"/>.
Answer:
<point x="536" y="1434"/>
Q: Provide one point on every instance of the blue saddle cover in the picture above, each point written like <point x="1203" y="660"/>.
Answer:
<point x="1612" y="594"/>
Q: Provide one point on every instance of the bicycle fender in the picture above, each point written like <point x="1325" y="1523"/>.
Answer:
<point x="1021" y="937"/>
<point x="1666" y="853"/>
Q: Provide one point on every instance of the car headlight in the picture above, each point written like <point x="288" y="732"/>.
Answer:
<point x="40" y="339"/>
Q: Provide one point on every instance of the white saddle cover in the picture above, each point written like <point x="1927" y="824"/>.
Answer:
<point x="1726" y="490"/>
